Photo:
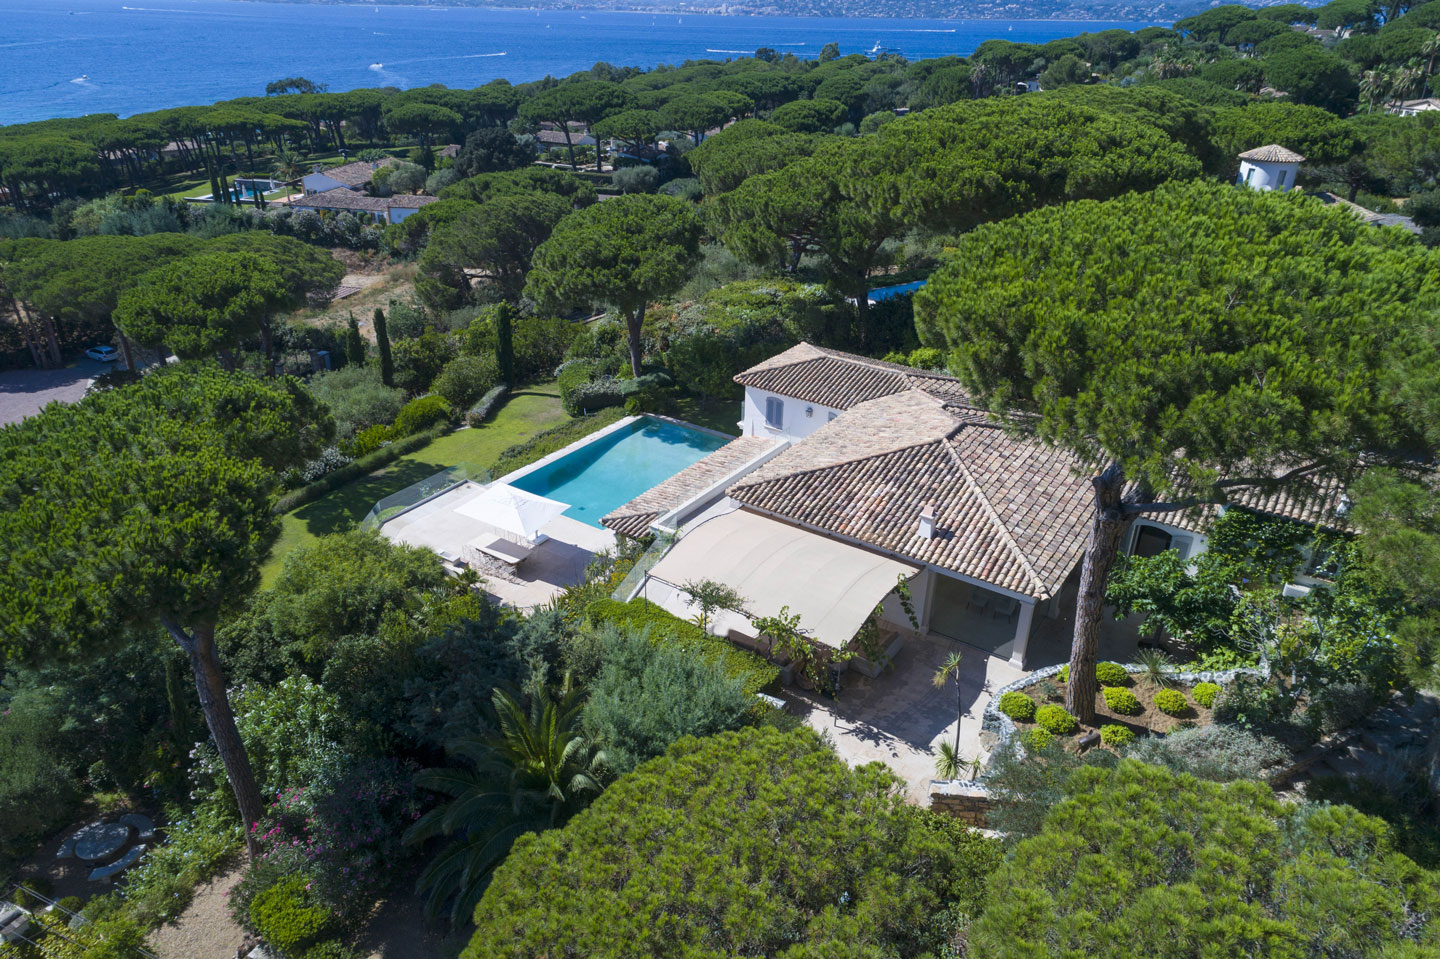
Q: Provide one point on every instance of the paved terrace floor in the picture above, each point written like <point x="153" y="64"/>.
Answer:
<point x="900" y="717"/>
<point x="556" y="563"/>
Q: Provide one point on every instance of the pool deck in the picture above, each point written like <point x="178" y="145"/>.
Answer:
<point x="556" y="563"/>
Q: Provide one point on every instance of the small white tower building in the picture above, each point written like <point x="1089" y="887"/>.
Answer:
<point x="1269" y="168"/>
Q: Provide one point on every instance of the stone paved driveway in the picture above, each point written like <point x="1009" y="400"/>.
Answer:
<point x="24" y="392"/>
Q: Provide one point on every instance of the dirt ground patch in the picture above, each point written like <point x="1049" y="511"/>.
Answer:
<point x="377" y="288"/>
<point x="204" y="930"/>
<point x="398" y="930"/>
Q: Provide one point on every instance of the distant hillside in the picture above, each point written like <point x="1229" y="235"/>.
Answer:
<point x="1149" y="10"/>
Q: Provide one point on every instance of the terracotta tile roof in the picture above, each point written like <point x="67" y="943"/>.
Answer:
<point x="357" y="173"/>
<point x="634" y="518"/>
<point x="1273" y="153"/>
<point x="1009" y="511"/>
<point x="341" y="198"/>
<point x="842" y="380"/>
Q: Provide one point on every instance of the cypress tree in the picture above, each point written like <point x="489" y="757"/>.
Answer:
<point x="382" y="346"/>
<point x="354" y="345"/>
<point x="505" y="344"/>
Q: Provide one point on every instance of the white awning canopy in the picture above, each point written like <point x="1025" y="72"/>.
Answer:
<point x="512" y="512"/>
<point x="831" y="585"/>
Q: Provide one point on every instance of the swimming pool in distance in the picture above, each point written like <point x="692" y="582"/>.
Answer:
<point x="615" y="468"/>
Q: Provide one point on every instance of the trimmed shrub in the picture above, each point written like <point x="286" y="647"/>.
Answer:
<point x="1064" y="673"/>
<point x="370" y="439"/>
<point x="598" y="394"/>
<point x="1056" y="720"/>
<point x="571" y="377"/>
<point x="1111" y="674"/>
<point x="1205" y="694"/>
<point x="419" y="415"/>
<point x="1017" y="705"/>
<point x="1037" y="739"/>
<point x="289" y="917"/>
<point x="1171" y="702"/>
<point x="1121" y="700"/>
<point x="1113" y="734"/>
<point x="488" y="403"/>
<point x="467" y="378"/>
<point x="749" y="668"/>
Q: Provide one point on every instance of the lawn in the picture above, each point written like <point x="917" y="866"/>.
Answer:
<point x="528" y="411"/>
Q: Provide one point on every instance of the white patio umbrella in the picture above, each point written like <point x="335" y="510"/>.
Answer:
<point x="513" y="512"/>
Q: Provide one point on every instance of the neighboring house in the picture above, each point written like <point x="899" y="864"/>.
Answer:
<point x="1411" y="108"/>
<point x="381" y="209"/>
<point x="851" y="471"/>
<point x="1369" y="216"/>
<point x="349" y="176"/>
<point x="1269" y="167"/>
<point x="550" y="136"/>
<point x="448" y="151"/>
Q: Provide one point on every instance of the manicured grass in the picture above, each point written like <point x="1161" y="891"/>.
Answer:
<point x="528" y="411"/>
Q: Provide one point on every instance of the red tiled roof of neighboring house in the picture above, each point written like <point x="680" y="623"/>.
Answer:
<point x="342" y="198"/>
<point x="635" y="517"/>
<point x="356" y="173"/>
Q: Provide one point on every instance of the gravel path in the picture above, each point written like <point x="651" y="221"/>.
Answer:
<point x="204" y="930"/>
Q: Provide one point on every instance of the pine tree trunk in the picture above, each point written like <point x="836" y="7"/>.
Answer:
<point x="199" y="645"/>
<point x="129" y="354"/>
<point x="633" y="323"/>
<point x="48" y="326"/>
<point x="1106" y="531"/>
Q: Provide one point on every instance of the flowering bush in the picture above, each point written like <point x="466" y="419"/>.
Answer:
<point x="344" y="837"/>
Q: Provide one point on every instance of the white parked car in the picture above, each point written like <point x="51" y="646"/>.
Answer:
<point x="105" y="354"/>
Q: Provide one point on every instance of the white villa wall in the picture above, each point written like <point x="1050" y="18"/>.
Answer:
<point x="1268" y="176"/>
<point x="796" y="423"/>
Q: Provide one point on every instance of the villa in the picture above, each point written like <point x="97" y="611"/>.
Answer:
<point x="841" y="453"/>
<point x="849" y="476"/>
<point x="348" y="176"/>
<point x="381" y="209"/>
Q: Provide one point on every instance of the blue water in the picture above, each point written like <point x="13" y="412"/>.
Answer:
<point x="72" y="57"/>
<point x="885" y="292"/>
<point x="612" y="471"/>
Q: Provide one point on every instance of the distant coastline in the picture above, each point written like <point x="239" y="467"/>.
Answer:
<point x="1050" y="11"/>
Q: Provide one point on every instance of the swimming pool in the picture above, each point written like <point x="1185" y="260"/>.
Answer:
<point x="616" y="468"/>
<point x="885" y="292"/>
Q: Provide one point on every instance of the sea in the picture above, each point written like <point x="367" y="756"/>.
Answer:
<point x="61" y="58"/>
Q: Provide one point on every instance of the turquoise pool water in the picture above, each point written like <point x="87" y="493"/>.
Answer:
<point x="612" y="471"/>
<point x="885" y="292"/>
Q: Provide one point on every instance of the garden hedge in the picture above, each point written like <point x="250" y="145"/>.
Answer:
<point x="487" y="404"/>
<point x="754" y="672"/>
<point x="363" y="466"/>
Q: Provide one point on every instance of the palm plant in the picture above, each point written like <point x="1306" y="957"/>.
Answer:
<point x="950" y="669"/>
<point x="1430" y="49"/>
<point x="1155" y="664"/>
<point x="536" y="773"/>
<point x="288" y="165"/>
<point x="1374" y="86"/>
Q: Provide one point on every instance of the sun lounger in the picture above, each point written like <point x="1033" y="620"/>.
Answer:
<point x="506" y="551"/>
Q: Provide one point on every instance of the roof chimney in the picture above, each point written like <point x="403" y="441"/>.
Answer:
<point x="927" y="521"/>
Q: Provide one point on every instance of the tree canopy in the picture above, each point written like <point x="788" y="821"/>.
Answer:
<point x="145" y="506"/>
<point x="1142" y="861"/>
<point x="498" y="237"/>
<point x="623" y="253"/>
<point x="756" y="843"/>
<point x="1243" y="344"/>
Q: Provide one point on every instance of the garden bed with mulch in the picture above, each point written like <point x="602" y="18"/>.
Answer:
<point x="1127" y="699"/>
